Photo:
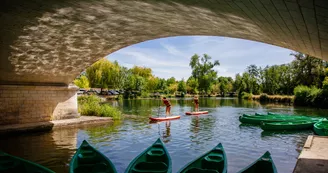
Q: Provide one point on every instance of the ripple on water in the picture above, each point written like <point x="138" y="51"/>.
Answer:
<point x="185" y="139"/>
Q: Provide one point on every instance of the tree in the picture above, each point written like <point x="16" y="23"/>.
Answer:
<point x="170" y="81"/>
<point x="142" y="71"/>
<point x="202" y="70"/>
<point x="182" y="87"/>
<point x="192" y="85"/>
<point x="308" y="70"/>
<point x="82" y="82"/>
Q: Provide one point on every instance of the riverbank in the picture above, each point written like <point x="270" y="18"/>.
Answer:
<point x="48" y="126"/>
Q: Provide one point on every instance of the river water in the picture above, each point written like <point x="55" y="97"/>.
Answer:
<point x="185" y="138"/>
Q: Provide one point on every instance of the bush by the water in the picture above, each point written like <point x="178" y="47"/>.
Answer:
<point x="274" y="98"/>
<point x="306" y="96"/>
<point x="247" y="96"/>
<point x="90" y="105"/>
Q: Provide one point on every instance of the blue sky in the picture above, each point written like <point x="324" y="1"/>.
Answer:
<point x="170" y="56"/>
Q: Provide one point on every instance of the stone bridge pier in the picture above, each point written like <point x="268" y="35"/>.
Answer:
<point x="21" y="104"/>
<point x="45" y="44"/>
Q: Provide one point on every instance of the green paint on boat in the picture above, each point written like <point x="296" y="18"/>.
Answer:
<point x="12" y="164"/>
<point x="214" y="161"/>
<point x="289" y="125"/>
<point x="89" y="160"/>
<point x="262" y="165"/>
<point x="321" y="127"/>
<point x="258" y="121"/>
<point x="155" y="159"/>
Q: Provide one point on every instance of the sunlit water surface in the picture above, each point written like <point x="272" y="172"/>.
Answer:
<point x="185" y="138"/>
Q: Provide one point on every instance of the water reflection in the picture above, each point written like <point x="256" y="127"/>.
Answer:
<point x="185" y="138"/>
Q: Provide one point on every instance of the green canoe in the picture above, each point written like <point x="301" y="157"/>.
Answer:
<point x="12" y="164"/>
<point x="254" y="120"/>
<point x="154" y="159"/>
<point x="262" y="165"/>
<point x="285" y="117"/>
<point x="321" y="128"/>
<point x="288" y="125"/>
<point x="89" y="160"/>
<point x="213" y="161"/>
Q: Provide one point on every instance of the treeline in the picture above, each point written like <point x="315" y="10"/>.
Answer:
<point x="282" y="79"/>
<point x="305" y="77"/>
<point x="141" y="81"/>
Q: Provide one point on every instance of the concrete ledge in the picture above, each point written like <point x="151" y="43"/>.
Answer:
<point x="48" y="126"/>
<point x="314" y="156"/>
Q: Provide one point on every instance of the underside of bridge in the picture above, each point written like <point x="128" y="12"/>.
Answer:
<point x="44" y="45"/>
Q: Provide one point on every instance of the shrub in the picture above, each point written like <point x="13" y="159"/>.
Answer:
<point x="307" y="96"/>
<point x="90" y="105"/>
<point x="247" y="96"/>
<point x="264" y="97"/>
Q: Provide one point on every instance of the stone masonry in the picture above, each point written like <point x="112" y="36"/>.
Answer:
<point x="53" y="41"/>
<point x="27" y="104"/>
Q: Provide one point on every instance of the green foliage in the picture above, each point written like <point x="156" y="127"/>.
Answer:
<point x="182" y="87"/>
<point x="82" y="82"/>
<point x="90" y="105"/>
<point x="307" y="96"/>
<point x="192" y="85"/>
<point x="246" y="96"/>
<point x="325" y="84"/>
<point x="203" y="71"/>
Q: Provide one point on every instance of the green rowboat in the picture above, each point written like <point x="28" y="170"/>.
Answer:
<point x="213" y="161"/>
<point x="12" y="164"/>
<point x="262" y="165"/>
<point x="155" y="159"/>
<point x="321" y="127"/>
<point x="89" y="160"/>
<point x="289" y="125"/>
<point x="258" y="121"/>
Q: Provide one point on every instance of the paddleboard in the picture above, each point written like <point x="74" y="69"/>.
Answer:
<point x="197" y="113"/>
<point x="164" y="118"/>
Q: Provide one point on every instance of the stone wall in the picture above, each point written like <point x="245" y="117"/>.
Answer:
<point x="27" y="104"/>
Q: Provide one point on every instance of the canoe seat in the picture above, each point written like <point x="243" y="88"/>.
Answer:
<point x="94" y="168"/>
<point x="200" y="170"/>
<point x="87" y="157"/>
<point x="149" y="167"/>
<point x="155" y="155"/>
<point x="213" y="161"/>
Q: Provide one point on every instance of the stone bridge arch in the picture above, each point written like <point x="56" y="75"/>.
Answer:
<point x="46" y="44"/>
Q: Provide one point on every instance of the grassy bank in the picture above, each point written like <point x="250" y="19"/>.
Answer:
<point x="274" y="98"/>
<point x="91" y="105"/>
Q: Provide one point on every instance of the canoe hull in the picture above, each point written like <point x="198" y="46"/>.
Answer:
<point x="89" y="160"/>
<point x="287" y="126"/>
<point x="321" y="128"/>
<point x="154" y="159"/>
<point x="264" y="164"/>
<point x="9" y="163"/>
<point x="197" y="113"/>
<point x="212" y="161"/>
<point x="164" y="118"/>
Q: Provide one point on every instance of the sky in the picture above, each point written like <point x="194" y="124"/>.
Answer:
<point x="170" y="56"/>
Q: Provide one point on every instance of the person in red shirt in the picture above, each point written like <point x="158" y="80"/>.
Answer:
<point x="196" y="103"/>
<point x="168" y="106"/>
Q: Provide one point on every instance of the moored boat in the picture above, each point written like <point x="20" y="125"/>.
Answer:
<point x="264" y="164"/>
<point x="12" y="164"/>
<point x="89" y="160"/>
<point x="197" y="113"/>
<point x="154" y="159"/>
<point x="321" y="127"/>
<point x="213" y="161"/>
<point x="258" y="121"/>
<point x="288" y="125"/>
<point x="164" y="118"/>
